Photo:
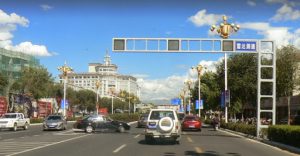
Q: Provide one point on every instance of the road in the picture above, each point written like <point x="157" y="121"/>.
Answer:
<point x="35" y="142"/>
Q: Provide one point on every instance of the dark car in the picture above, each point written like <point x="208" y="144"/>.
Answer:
<point x="191" y="122"/>
<point x="100" y="123"/>
<point x="142" y="122"/>
<point x="55" y="122"/>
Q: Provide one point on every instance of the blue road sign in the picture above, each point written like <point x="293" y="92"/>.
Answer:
<point x="197" y="104"/>
<point x="222" y="100"/>
<point x="176" y="101"/>
<point x="62" y="104"/>
<point x="245" y="46"/>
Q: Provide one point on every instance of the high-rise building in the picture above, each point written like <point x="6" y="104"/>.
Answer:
<point x="108" y="76"/>
<point x="12" y="63"/>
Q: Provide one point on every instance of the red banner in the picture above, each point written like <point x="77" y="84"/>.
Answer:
<point x="44" y="108"/>
<point x="103" y="111"/>
<point x="3" y="105"/>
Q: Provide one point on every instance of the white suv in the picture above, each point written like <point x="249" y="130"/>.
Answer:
<point x="163" y="124"/>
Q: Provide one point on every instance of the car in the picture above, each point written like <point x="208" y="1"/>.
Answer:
<point x="142" y="122"/>
<point x="100" y="123"/>
<point x="13" y="121"/>
<point x="163" y="124"/>
<point x="55" y="122"/>
<point x="191" y="122"/>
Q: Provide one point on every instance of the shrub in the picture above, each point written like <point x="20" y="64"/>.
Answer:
<point x="36" y="120"/>
<point x="125" y="117"/>
<point x="240" y="127"/>
<point x="289" y="135"/>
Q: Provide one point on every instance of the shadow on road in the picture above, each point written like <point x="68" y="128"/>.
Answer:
<point x="157" y="142"/>
<point x="207" y="153"/>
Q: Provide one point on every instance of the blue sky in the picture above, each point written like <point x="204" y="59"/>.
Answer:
<point x="79" y="32"/>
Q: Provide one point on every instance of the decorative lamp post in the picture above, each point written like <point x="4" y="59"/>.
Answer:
<point x="98" y="83"/>
<point x="199" y="70"/>
<point x="65" y="70"/>
<point x="224" y="30"/>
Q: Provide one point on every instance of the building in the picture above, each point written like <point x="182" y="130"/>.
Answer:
<point x="107" y="75"/>
<point x="12" y="63"/>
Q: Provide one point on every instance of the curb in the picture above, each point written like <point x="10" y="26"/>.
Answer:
<point x="36" y="124"/>
<point x="265" y="141"/>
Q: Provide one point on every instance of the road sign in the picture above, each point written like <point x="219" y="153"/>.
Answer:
<point x="227" y="97"/>
<point x="197" y="104"/>
<point x="176" y="101"/>
<point x="245" y="46"/>
<point x="62" y="106"/>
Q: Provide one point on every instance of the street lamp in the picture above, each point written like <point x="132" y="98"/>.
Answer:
<point x="98" y="83"/>
<point x="199" y="69"/>
<point x="65" y="70"/>
<point x="189" y="83"/>
<point x="224" y="30"/>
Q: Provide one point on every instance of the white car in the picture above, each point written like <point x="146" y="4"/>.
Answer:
<point x="13" y="121"/>
<point x="163" y="124"/>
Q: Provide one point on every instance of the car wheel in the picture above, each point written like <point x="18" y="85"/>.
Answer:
<point x="15" y="128"/>
<point x="26" y="126"/>
<point x="89" y="129"/>
<point x="121" y="129"/>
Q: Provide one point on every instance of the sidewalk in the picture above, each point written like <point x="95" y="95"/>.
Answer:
<point x="265" y="141"/>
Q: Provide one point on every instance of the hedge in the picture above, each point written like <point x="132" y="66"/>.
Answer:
<point x="289" y="135"/>
<point x="125" y="117"/>
<point x="240" y="127"/>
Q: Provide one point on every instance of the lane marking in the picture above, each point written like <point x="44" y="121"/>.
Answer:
<point x="47" y="145"/>
<point x="118" y="149"/>
<point x="36" y="135"/>
<point x="137" y="136"/>
<point x="198" y="150"/>
<point x="190" y="139"/>
<point x="8" y="140"/>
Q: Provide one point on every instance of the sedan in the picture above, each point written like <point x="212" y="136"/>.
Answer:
<point x="100" y="123"/>
<point x="55" y="122"/>
<point x="191" y="122"/>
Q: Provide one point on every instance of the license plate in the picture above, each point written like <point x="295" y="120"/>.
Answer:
<point x="191" y="126"/>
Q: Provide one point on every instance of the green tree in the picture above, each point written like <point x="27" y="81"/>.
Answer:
<point x="35" y="81"/>
<point x="3" y="83"/>
<point x="287" y="65"/>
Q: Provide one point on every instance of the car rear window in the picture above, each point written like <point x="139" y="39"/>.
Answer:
<point x="156" y="115"/>
<point x="54" y="118"/>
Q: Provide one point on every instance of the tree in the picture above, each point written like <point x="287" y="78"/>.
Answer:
<point x="35" y="81"/>
<point x="286" y="63"/>
<point x="3" y="83"/>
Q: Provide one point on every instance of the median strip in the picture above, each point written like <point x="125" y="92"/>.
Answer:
<point x="118" y="149"/>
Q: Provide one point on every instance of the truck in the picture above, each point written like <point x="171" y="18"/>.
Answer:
<point x="13" y="121"/>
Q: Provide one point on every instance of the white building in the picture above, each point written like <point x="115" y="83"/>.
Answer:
<point x="107" y="75"/>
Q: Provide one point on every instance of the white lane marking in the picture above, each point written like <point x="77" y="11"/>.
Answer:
<point x="8" y="140"/>
<point x="137" y="136"/>
<point x="36" y="135"/>
<point x="118" y="149"/>
<point x="198" y="150"/>
<point x="190" y="139"/>
<point x="47" y="145"/>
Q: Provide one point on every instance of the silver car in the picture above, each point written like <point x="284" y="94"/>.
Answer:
<point x="55" y="122"/>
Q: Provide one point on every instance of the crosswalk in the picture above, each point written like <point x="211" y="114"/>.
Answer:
<point x="9" y="147"/>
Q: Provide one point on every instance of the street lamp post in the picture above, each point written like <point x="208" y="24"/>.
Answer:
<point x="98" y="83"/>
<point x="182" y="95"/>
<point x="65" y="70"/>
<point x="199" y="69"/>
<point x="224" y="30"/>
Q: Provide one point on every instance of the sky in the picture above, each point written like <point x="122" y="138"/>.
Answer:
<point x="80" y="32"/>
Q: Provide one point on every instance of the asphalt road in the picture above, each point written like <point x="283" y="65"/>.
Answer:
<point x="35" y="142"/>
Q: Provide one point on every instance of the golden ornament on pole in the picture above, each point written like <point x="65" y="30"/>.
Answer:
<point x="225" y="28"/>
